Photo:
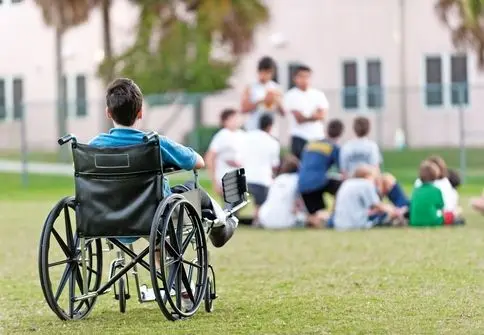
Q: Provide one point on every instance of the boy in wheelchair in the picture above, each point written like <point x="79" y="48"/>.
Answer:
<point x="124" y="102"/>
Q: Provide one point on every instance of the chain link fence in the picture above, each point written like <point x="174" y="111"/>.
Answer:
<point x="433" y="117"/>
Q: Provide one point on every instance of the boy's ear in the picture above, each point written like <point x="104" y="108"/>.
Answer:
<point x="139" y="116"/>
<point x="108" y="114"/>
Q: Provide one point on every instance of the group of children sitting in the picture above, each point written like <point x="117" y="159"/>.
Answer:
<point x="351" y="174"/>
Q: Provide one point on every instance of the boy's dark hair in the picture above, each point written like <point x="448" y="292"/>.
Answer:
<point x="266" y="64"/>
<point x="335" y="128"/>
<point x="361" y="126"/>
<point x="428" y="172"/>
<point x="440" y="162"/>
<point x="266" y="120"/>
<point x="454" y="178"/>
<point x="301" y="68"/>
<point x="124" y="101"/>
<point x="290" y="164"/>
<point x="226" y="114"/>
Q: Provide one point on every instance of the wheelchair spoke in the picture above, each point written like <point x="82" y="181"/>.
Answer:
<point x="179" y="228"/>
<point x="188" y="240"/>
<point x="79" y="280"/>
<point x="63" y="281"/>
<point x="187" y="285"/>
<point x="178" y="287"/>
<point x="58" y="263"/>
<point x="173" y="237"/>
<point x="91" y="270"/>
<point x="172" y="276"/>
<point x="173" y="253"/>
<point x="192" y="264"/>
<point x="63" y="246"/>
<point x="69" y="235"/>
<point x="72" y="290"/>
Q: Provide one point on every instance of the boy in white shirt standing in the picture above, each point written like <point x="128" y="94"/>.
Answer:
<point x="225" y="151"/>
<point x="307" y="108"/>
<point x="264" y="96"/>
<point x="260" y="160"/>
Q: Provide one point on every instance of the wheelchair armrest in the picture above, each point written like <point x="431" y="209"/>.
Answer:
<point x="167" y="169"/>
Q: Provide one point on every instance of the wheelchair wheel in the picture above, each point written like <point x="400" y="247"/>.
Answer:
<point x="210" y="292"/>
<point x="60" y="263"/>
<point x="178" y="246"/>
<point x="122" y="295"/>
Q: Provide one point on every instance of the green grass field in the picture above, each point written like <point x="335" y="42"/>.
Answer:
<point x="382" y="281"/>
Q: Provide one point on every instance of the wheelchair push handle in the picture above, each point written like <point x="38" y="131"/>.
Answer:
<point x="66" y="138"/>
<point x="148" y="137"/>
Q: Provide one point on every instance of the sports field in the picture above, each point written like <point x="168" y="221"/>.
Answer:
<point x="383" y="281"/>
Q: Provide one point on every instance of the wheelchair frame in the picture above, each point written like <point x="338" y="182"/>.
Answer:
<point x="119" y="267"/>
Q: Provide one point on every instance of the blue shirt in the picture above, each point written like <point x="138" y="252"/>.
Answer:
<point x="172" y="152"/>
<point x="317" y="158"/>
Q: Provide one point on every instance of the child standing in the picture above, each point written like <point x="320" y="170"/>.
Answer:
<point x="427" y="203"/>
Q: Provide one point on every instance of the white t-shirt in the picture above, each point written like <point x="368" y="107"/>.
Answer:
<point x="227" y="145"/>
<point x="449" y="194"/>
<point x="257" y="92"/>
<point x="278" y="210"/>
<point x="305" y="102"/>
<point x="260" y="154"/>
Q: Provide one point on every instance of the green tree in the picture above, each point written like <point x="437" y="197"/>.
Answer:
<point x="465" y="19"/>
<point x="62" y="15"/>
<point x="174" y="43"/>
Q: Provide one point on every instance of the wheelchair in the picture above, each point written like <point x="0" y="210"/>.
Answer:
<point x="118" y="196"/>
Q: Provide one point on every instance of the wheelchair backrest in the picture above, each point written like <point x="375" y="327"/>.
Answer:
<point x="117" y="189"/>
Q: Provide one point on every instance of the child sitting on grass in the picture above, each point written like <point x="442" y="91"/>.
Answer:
<point x="283" y="208"/>
<point x="358" y="205"/>
<point x="427" y="203"/>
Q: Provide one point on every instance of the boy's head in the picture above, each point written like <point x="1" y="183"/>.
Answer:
<point x="335" y="129"/>
<point x="266" y="69"/>
<point x="365" y="171"/>
<point x="290" y="164"/>
<point x="229" y="119"/>
<point x="266" y="122"/>
<point x="123" y="102"/>
<point x="361" y="126"/>
<point x="302" y="76"/>
<point x="454" y="178"/>
<point x="440" y="162"/>
<point x="428" y="172"/>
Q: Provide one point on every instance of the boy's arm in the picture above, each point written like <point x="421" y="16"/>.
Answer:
<point x="247" y="105"/>
<point x="173" y="153"/>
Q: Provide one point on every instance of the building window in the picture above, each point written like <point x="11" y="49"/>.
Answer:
<point x="374" y="95"/>
<point x="459" y="82"/>
<point x="18" y="97"/>
<point x="81" y="101"/>
<point x="434" y="95"/>
<point x="3" y="104"/>
<point x="350" y="85"/>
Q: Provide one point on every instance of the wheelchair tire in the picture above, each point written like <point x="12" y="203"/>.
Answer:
<point x="64" y="306"/>
<point x="122" y="295"/>
<point x="208" y="297"/>
<point x="172" y="244"/>
<point x="210" y="291"/>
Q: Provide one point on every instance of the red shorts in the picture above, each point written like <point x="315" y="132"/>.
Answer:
<point x="449" y="217"/>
